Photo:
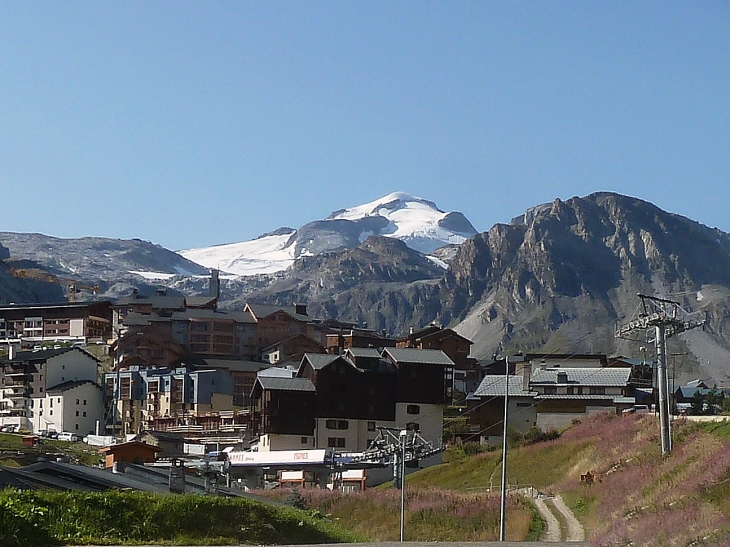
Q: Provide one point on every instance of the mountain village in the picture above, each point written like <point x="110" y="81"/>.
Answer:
<point x="270" y="395"/>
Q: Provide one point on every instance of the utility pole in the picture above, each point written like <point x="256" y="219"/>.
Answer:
<point x="503" y="496"/>
<point x="666" y="318"/>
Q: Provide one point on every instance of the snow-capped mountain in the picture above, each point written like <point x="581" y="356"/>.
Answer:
<point x="417" y="222"/>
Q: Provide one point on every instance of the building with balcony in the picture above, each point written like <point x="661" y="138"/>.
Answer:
<point x="27" y="376"/>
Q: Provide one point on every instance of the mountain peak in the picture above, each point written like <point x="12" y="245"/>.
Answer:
<point x="399" y="215"/>
<point x="393" y="201"/>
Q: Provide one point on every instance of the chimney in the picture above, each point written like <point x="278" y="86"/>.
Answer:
<point x="135" y="293"/>
<point x="526" y="374"/>
<point x="12" y="351"/>
<point x="300" y="309"/>
<point x="214" y="289"/>
<point x="562" y="377"/>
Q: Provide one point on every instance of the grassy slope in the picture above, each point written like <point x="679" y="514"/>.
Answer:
<point x="55" y="518"/>
<point x="642" y="497"/>
<point x="432" y="514"/>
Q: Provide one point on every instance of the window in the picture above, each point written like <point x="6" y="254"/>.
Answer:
<point x="77" y="401"/>
<point x="84" y="414"/>
<point x="371" y="426"/>
<point x="598" y="391"/>
<point x="337" y="424"/>
<point x="413" y="409"/>
<point x="76" y="427"/>
<point x="304" y="440"/>
<point x="524" y="405"/>
<point x="84" y="402"/>
<point x="331" y="424"/>
<point x="570" y="390"/>
<point x="551" y="390"/>
<point x="336" y="442"/>
<point x="77" y="413"/>
<point x="342" y="424"/>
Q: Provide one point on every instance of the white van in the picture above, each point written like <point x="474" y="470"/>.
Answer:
<point x="66" y="436"/>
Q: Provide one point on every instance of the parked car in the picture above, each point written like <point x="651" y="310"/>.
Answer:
<point x="66" y="436"/>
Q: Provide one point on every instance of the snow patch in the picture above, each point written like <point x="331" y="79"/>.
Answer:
<point x="153" y="276"/>
<point x="413" y="220"/>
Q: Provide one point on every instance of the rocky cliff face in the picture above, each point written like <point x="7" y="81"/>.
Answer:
<point x="382" y="283"/>
<point x="560" y="277"/>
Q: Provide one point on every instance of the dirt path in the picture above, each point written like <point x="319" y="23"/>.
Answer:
<point x="576" y="532"/>
<point x="553" y="526"/>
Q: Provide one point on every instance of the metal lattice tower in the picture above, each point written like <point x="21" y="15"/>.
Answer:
<point x="667" y="318"/>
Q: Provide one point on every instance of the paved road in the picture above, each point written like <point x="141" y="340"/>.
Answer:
<point x="427" y="544"/>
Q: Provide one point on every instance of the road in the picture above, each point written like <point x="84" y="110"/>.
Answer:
<point x="426" y="544"/>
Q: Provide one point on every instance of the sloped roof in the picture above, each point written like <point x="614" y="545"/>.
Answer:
<point x="420" y="356"/>
<point x="68" y="476"/>
<point x="437" y="333"/>
<point x="197" y="301"/>
<point x="39" y="355"/>
<point x="320" y="360"/>
<point x="44" y="355"/>
<point x="493" y="385"/>
<point x="298" y="336"/>
<point x="70" y="384"/>
<point x="285" y="384"/>
<point x="157" y="301"/>
<point x="264" y="310"/>
<point x="370" y="353"/>
<point x="583" y="397"/>
<point x="237" y="365"/>
<point x="204" y="313"/>
<point x="143" y="319"/>
<point x="610" y="376"/>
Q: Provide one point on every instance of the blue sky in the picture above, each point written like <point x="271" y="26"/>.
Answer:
<point x="196" y="123"/>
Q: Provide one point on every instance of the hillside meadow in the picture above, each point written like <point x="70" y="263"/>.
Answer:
<point x="639" y="497"/>
<point x="39" y="518"/>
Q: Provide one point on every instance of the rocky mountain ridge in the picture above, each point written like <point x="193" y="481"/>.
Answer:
<point x="558" y="278"/>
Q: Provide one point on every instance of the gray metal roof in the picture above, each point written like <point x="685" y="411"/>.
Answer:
<point x="194" y="301"/>
<point x="421" y="356"/>
<point x="364" y="352"/>
<point x="606" y="377"/>
<point x="320" y="360"/>
<point x="566" y="397"/>
<point x="43" y="355"/>
<point x="237" y="365"/>
<point x="285" y="384"/>
<point x="264" y="310"/>
<point x="493" y="385"/>
<point x="157" y="301"/>
<point x="203" y="313"/>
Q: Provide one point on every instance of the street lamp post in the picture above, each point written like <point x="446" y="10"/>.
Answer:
<point x="403" y="439"/>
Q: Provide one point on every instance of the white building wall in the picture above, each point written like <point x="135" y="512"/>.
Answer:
<point x="272" y="442"/>
<point x="430" y="418"/>
<point x="76" y="327"/>
<point x="57" y="412"/>
<point x="71" y="365"/>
